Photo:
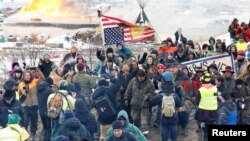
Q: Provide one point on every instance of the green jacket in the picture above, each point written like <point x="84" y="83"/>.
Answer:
<point x="127" y="127"/>
<point x="86" y="81"/>
<point x="137" y="90"/>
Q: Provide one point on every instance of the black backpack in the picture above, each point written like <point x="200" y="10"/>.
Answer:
<point x="102" y="103"/>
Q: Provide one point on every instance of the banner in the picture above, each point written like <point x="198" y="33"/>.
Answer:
<point x="221" y="62"/>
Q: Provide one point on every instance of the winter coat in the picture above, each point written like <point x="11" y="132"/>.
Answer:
<point x="9" y="134"/>
<point x="46" y="67"/>
<point x="86" y="81"/>
<point x="86" y="118"/>
<point x="137" y="90"/>
<point x="43" y="92"/>
<point x="227" y="113"/>
<point x="102" y="57"/>
<point x="131" y="128"/>
<point x="111" y="91"/>
<point x="70" y="59"/>
<point x="73" y="129"/>
<point x="126" y="136"/>
<point x="229" y="83"/>
<point x="13" y="108"/>
<point x="11" y="72"/>
<point x="196" y="82"/>
<point x="126" y="52"/>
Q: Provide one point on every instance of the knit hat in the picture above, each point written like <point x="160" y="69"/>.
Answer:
<point x="62" y="85"/>
<point x="68" y="114"/>
<point x="9" y="84"/>
<point x="238" y="82"/>
<point x="61" y="138"/>
<point x="80" y="66"/>
<point x="228" y="69"/>
<point x="45" y="54"/>
<point x="8" y="94"/>
<point x="167" y="76"/>
<point x="141" y="73"/>
<point x="13" y="119"/>
<point x="117" y="125"/>
<point x="160" y="66"/>
<point x="103" y="82"/>
<point x="49" y="80"/>
<point x="109" y="50"/>
<point x="206" y="78"/>
<point x="154" y="51"/>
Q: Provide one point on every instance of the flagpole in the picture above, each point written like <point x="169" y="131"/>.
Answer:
<point x="99" y="15"/>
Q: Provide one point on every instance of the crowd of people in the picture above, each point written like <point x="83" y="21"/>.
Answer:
<point x="125" y="96"/>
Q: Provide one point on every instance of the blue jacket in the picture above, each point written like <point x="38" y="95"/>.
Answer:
<point x="228" y="113"/>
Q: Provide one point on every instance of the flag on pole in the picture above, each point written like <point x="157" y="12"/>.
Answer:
<point x="118" y="30"/>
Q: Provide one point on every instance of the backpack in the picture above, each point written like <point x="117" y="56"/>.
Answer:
<point x="55" y="104"/>
<point x="168" y="105"/>
<point x="102" y="103"/>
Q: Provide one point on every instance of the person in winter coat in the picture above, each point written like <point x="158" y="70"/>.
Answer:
<point x="122" y="50"/>
<point x="241" y="97"/>
<point x="17" y="74"/>
<point x="111" y="92"/>
<point x="13" y="132"/>
<point x="119" y="134"/>
<point x="207" y="103"/>
<point x="126" y="126"/>
<point x="14" y="64"/>
<point x="43" y="91"/>
<point x="9" y="105"/>
<point x="219" y="81"/>
<point x="86" y="81"/>
<point x="70" y="58"/>
<point x="233" y="28"/>
<point x="137" y="94"/>
<point x="229" y="81"/>
<point x="82" y="112"/>
<point x="45" y="64"/>
<point x="168" y="124"/>
<point x="12" y="84"/>
<point x="227" y="111"/>
<point x="27" y="90"/>
<point x="72" y="128"/>
<point x="109" y="55"/>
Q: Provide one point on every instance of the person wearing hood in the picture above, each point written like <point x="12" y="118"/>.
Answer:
<point x="212" y="69"/>
<point x="227" y="110"/>
<point x="126" y="126"/>
<point x="119" y="134"/>
<point x="180" y="55"/>
<point x="43" y="91"/>
<point x="212" y="44"/>
<point x="138" y="93"/>
<point x="14" y="65"/>
<point x="82" y="112"/>
<point x="149" y="63"/>
<point x="9" y="105"/>
<point x="220" y="46"/>
<point x="13" y="131"/>
<point x="122" y="50"/>
<point x="233" y="28"/>
<point x="27" y="90"/>
<point x="45" y="64"/>
<point x="72" y="128"/>
<point x="17" y="74"/>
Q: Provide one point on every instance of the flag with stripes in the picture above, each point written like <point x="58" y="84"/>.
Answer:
<point x="114" y="28"/>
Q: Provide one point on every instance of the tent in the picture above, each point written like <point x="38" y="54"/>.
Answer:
<point x="142" y="18"/>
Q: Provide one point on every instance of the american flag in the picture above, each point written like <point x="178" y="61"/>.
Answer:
<point x="118" y="30"/>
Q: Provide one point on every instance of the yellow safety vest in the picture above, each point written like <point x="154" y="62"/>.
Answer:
<point x="208" y="99"/>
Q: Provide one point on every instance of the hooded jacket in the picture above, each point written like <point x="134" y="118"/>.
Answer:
<point x="74" y="130"/>
<point x="126" y="52"/>
<point x="43" y="92"/>
<point x="13" y="108"/>
<point x="128" y="127"/>
<point x="8" y="134"/>
<point x="86" y="118"/>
